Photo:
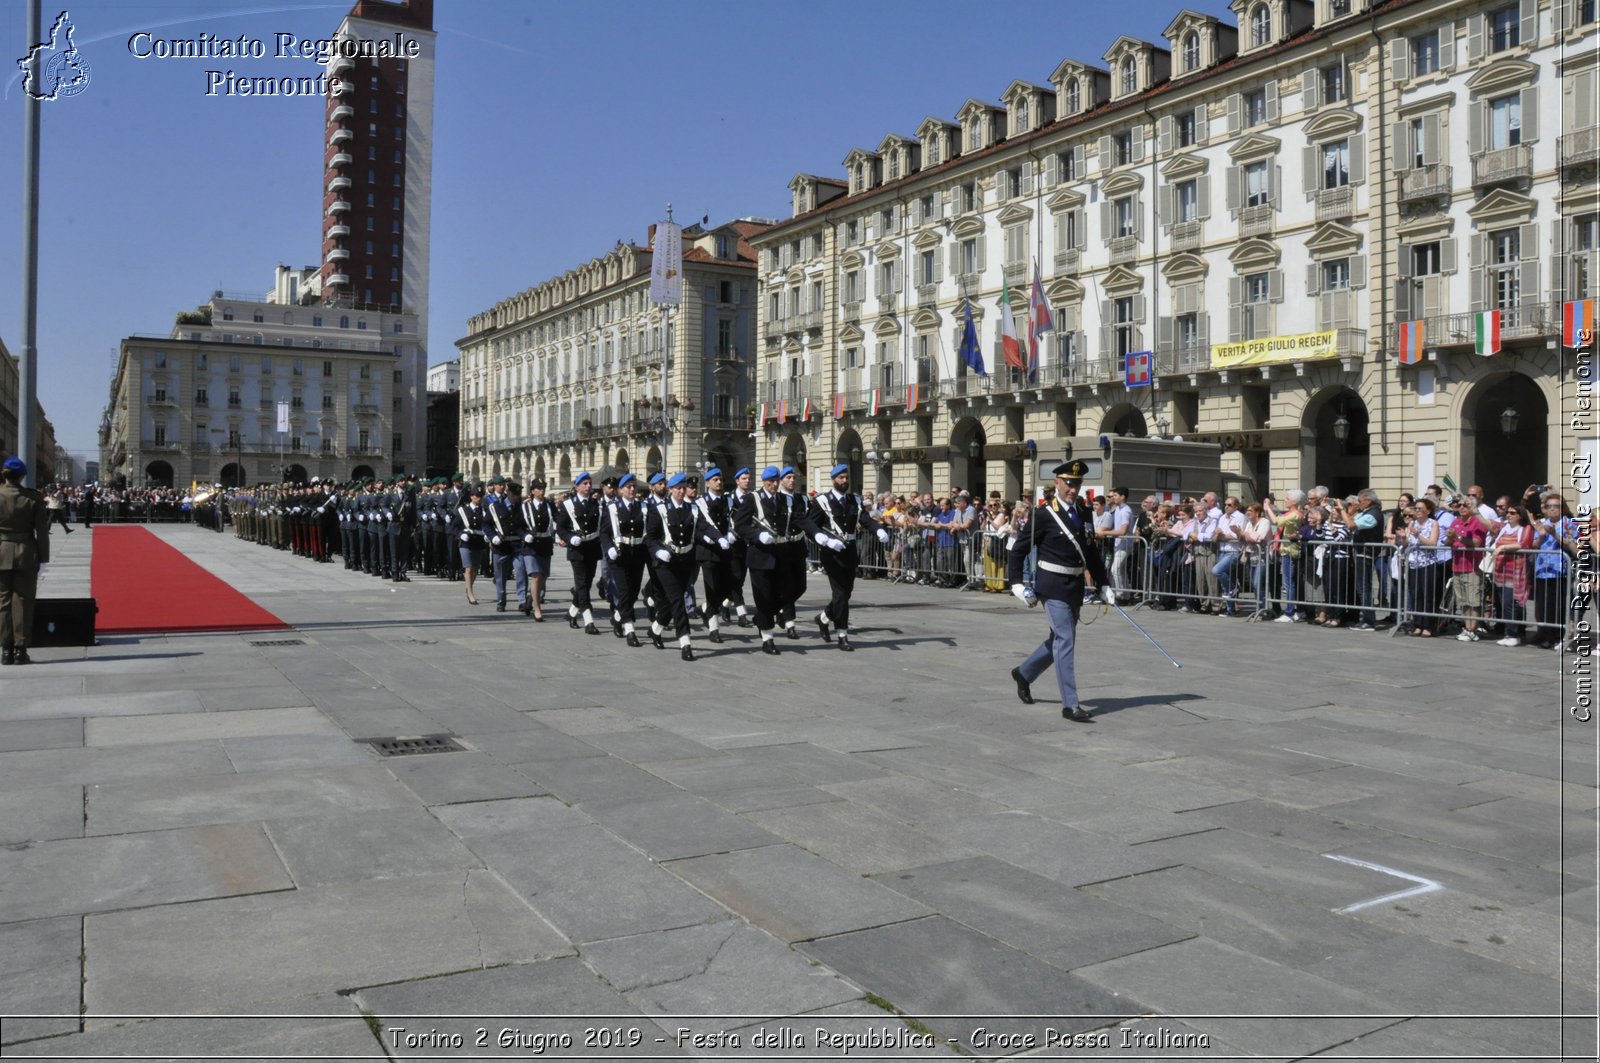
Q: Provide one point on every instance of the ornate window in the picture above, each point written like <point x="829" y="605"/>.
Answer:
<point x="1260" y="26"/>
<point x="1191" y="51"/>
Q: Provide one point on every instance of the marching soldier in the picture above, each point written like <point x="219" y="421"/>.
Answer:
<point x="500" y="528"/>
<point x="714" y="550"/>
<point x="349" y="536"/>
<point x="537" y="523"/>
<point x="402" y="528"/>
<point x="578" y="519"/>
<point x="1065" y="567"/>
<point x="792" y="559"/>
<point x="736" y="556"/>
<point x="670" y="538"/>
<point x="838" y="514"/>
<point x="622" y="533"/>
<point x="763" y="522"/>
<point x="466" y="524"/>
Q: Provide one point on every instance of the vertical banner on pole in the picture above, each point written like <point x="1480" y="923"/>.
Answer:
<point x="666" y="265"/>
<point x="283" y="416"/>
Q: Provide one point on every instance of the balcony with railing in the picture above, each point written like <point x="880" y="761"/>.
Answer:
<point x="1425" y="182"/>
<point x="1124" y="248"/>
<point x="1016" y="273"/>
<point x="1187" y="235"/>
<point x="341" y="158"/>
<point x="791" y="389"/>
<point x="340" y="136"/>
<point x="1527" y="321"/>
<point x="337" y="230"/>
<point x="364" y="409"/>
<point x="338" y="278"/>
<point x="1067" y="261"/>
<point x="1502" y="165"/>
<point x="1256" y="221"/>
<point x="339" y="206"/>
<point x="852" y="310"/>
<point x="160" y="446"/>
<point x="343" y="113"/>
<point x="772" y="326"/>
<point x="1192" y="354"/>
<point x="336" y="254"/>
<point x="728" y="422"/>
<point x="927" y="296"/>
<point x="1335" y="204"/>
<point x="810" y="319"/>
<point x="338" y="184"/>
<point x="1005" y="380"/>
<point x="1580" y="147"/>
<point x="645" y="359"/>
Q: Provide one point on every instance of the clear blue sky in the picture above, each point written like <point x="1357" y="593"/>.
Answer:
<point x="559" y="129"/>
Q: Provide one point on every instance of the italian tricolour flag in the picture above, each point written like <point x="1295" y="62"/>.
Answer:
<point x="1486" y="333"/>
<point x="1009" y="347"/>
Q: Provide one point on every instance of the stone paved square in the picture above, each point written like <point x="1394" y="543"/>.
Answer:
<point x="643" y="836"/>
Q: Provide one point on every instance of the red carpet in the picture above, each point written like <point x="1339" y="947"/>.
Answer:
<point x="145" y="587"/>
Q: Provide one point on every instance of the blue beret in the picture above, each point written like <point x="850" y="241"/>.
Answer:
<point x="769" y="473"/>
<point x="658" y="477"/>
<point x="627" y="478"/>
<point x="678" y="480"/>
<point x="15" y="465"/>
<point x="840" y="469"/>
<point x="713" y="471"/>
<point x="788" y="470"/>
<point x="582" y="476"/>
<point x="742" y="472"/>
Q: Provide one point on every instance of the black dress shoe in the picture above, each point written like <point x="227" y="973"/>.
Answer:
<point x="822" y="626"/>
<point x="716" y="636"/>
<point x="1076" y="715"/>
<point x="526" y="609"/>
<point x="590" y="629"/>
<point x="1024" y="691"/>
<point x="499" y="607"/>
<point x="768" y="646"/>
<point x="633" y="639"/>
<point x="8" y="656"/>
<point x="572" y="621"/>
<point x="20" y="656"/>
<point x="792" y="631"/>
<point x="658" y="641"/>
<point x="688" y="653"/>
<point x="616" y="628"/>
<point x="844" y="644"/>
<point x="744" y="621"/>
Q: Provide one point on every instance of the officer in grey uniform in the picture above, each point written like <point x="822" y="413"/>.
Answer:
<point x="1069" y="561"/>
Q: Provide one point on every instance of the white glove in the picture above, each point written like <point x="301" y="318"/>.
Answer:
<point x="662" y="555"/>
<point x="883" y="536"/>
<point x="611" y="554"/>
<point x="465" y="537"/>
<point x="1022" y="593"/>
<point x="1108" y="595"/>
<point x="822" y="539"/>
<point x="725" y="542"/>
<point x="528" y="539"/>
<point x="496" y="540"/>
<point x="574" y="541"/>
<point x="836" y="545"/>
<point x="766" y="538"/>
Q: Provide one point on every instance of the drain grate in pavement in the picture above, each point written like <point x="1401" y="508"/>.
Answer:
<point x="280" y="642"/>
<point x="414" y="745"/>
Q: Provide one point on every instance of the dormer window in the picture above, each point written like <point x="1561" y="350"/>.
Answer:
<point x="1072" y="96"/>
<point x="1130" y="76"/>
<point x="932" y="151"/>
<point x="894" y="165"/>
<point x="1191" y="51"/>
<point x="1338" y="8"/>
<point x="1022" y="114"/>
<point x="974" y="135"/>
<point x="1260" y="26"/>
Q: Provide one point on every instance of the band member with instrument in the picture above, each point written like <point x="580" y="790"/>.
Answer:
<point x="1069" y="561"/>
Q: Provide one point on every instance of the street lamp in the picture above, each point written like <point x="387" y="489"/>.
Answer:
<point x="855" y="455"/>
<point x="1341" y="427"/>
<point x="1508" y="420"/>
<point x="800" y="455"/>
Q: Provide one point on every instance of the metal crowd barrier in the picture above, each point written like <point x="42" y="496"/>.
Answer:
<point x="1379" y="584"/>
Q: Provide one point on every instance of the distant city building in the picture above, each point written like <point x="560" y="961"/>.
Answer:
<point x="357" y="323"/>
<point x="1338" y="237"/>
<point x="42" y="461"/>
<point x="444" y="377"/>
<point x="91" y="472"/>
<point x="444" y="417"/>
<point x="584" y="372"/>
<point x="202" y="403"/>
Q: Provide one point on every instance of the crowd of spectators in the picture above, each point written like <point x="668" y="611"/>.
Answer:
<point x="88" y="504"/>
<point x="1442" y="564"/>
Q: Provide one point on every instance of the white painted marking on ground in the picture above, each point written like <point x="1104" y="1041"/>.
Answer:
<point x="1425" y="885"/>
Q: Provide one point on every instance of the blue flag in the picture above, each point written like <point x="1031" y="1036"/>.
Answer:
<point x="969" y="343"/>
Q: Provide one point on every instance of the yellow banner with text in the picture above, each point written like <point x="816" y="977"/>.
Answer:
<point x="1305" y="347"/>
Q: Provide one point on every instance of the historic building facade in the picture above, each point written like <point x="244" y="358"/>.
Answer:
<point x="202" y="403"/>
<point x="1266" y="215"/>
<point x="583" y="372"/>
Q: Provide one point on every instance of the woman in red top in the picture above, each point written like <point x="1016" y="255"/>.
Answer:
<point x="1514" y="538"/>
